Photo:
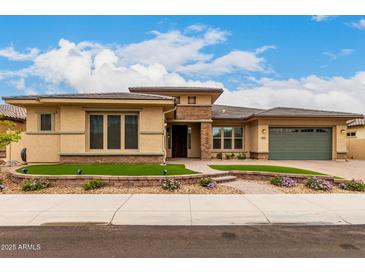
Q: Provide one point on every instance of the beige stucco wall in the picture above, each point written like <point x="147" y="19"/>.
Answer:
<point x="356" y="145"/>
<point x="260" y="132"/>
<point x="70" y="134"/>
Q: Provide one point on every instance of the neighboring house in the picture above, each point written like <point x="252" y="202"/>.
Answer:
<point x="15" y="114"/>
<point x="356" y="138"/>
<point x="149" y="123"/>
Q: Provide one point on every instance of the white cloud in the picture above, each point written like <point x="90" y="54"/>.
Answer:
<point x="91" y="69"/>
<point x="171" y="49"/>
<point x="13" y="55"/>
<point x="342" y="53"/>
<point x="321" y="18"/>
<point x="196" y="28"/>
<point x="357" y="25"/>
<point x="234" y="61"/>
<point x="335" y="93"/>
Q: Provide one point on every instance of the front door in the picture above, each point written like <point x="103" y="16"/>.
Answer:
<point x="179" y="141"/>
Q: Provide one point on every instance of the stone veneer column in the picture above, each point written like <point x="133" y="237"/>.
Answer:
<point x="206" y="140"/>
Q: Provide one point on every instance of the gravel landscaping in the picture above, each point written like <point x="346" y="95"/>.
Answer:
<point x="12" y="188"/>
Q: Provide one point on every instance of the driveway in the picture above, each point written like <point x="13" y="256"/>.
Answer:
<point x="351" y="169"/>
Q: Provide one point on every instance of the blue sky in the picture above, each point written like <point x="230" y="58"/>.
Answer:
<point x="261" y="61"/>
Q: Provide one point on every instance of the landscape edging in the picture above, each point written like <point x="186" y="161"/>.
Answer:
<point x="145" y="181"/>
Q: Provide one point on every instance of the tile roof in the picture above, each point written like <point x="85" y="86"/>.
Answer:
<point x="113" y="95"/>
<point x="231" y="112"/>
<point x="13" y="112"/>
<point x="356" y="122"/>
<point x="176" y="89"/>
<point x="301" y="112"/>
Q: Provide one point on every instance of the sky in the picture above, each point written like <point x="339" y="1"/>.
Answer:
<point x="314" y="62"/>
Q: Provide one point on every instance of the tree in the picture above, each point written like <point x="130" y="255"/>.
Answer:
<point x="10" y="135"/>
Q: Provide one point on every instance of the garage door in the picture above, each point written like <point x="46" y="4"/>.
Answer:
<point x="300" y="143"/>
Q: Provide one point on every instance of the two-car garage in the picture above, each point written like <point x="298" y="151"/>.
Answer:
<point x="309" y="143"/>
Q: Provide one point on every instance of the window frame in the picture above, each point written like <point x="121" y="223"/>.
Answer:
<point x="192" y="98"/>
<point x="222" y="138"/>
<point x="105" y="132"/>
<point x="40" y="121"/>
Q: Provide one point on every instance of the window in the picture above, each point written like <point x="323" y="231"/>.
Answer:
<point x="217" y="138"/>
<point x="131" y="132"/>
<point x="114" y="132"/>
<point x="191" y="100"/>
<point x="227" y="137"/>
<point x="168" y="135"/>
<point x="189" y="137"/>
<point x="96" y="131"/>
<point x="238" y="134"/>
<point x="351" y="134"/>
<point x="46" y="121"/>
<point x="177" y="99"/>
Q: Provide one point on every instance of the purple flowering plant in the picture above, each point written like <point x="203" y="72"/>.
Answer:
<point x="283" y="181"/>
<point x="319" y="184"/>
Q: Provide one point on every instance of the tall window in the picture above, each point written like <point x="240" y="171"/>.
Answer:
<point x="114" y="132"/>
<point x="189" y="137"/>
<point x="131" y="132"/>
<point x="96" y="131"/>
<point x="45" y="121"/>
<point x="227" y="138"/>
<point x="238" y="134"/>
<point x="217" y="138"/>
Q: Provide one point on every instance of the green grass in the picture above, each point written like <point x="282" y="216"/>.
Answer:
<point x="108" y="169"/>
<point x="277" y="169"/>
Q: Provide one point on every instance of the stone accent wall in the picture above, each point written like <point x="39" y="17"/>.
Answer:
<point x="193" y="112"/>
<point x="91" y="159"/>
<point x="119" y="181"/>
<point x="259" y="155"/>
<point x="206" y="141"/>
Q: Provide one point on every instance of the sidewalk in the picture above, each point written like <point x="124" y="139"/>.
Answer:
<point x="181" y="209"/>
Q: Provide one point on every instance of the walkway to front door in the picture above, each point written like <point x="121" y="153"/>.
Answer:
<point x="179" y="141"/>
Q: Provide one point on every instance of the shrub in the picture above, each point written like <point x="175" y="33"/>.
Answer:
<point x="220" y="155"/>
<point x="233" y="155"/>
<point x="318" y="184"/>
<point x="170" y="184"/>
<point x="93" y="184"/>
<point x="353" y="185"/>
<point x="205" y="181"/>
<point x="2" y="186"/>
<point x="34" y="184"/>
<point x="283" y="181"/>
<point x="241" y="156"/>
<point x="228" y="156"/>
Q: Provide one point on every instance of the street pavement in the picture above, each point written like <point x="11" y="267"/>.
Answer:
<point x="181" y="209"/>
<point x="274" y="241"/>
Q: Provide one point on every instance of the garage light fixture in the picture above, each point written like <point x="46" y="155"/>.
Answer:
<point x="263" y="130"/>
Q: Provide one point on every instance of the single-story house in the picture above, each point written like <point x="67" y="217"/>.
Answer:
<point x="150" y="124"/>
<point x="15" y="114"/>
<point x="356" y="138"/>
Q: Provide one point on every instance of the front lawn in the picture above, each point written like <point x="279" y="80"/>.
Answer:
<point x="108" y="169"/>
<point x="277" y="169"/>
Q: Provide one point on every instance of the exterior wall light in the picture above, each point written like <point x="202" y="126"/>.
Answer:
<point x="343" y="131"/>
<point x="263" y="130"/>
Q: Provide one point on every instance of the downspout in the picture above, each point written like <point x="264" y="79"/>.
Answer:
<point x="164" y="132"/>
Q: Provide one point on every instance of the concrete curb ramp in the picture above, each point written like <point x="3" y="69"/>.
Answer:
<point x="181" y="209"/>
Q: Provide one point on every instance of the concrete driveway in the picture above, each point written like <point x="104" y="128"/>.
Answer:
<point x="351" y="169"/>
<point x="181" y="209"/>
